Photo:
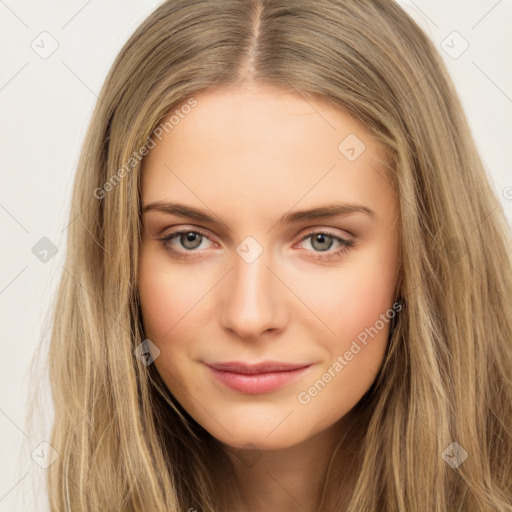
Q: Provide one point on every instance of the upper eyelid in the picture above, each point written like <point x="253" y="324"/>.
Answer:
<point x="188" y="230"/>
<point x="305" y="232"/>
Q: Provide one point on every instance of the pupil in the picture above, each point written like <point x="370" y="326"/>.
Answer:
<point x="321" y="239"/>
<point x="190" y="238"/>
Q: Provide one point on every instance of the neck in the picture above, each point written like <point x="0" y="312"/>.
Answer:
<point x="293" y="478"/>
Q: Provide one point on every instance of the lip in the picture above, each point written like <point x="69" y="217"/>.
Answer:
<point x="259" y="378"/>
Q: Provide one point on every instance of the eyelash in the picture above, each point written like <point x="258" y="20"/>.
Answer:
<point x="346" y="245"/>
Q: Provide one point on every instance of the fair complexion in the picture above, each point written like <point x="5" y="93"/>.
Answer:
<point x="247" y="157"/>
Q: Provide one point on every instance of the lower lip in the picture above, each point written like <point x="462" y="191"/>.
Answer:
<point x="257" y="383"/>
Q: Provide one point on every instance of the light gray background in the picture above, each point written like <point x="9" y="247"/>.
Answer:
<point x="46" y="104"/>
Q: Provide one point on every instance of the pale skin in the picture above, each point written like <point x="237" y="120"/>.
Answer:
<point x="247" y="157"/>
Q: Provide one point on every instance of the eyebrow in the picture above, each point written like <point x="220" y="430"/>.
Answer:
<point x="321" y="212"/>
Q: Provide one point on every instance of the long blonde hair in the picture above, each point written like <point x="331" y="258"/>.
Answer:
<point x="123" y="442"/>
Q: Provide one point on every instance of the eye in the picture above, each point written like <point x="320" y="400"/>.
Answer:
<point x="188" y="240"/>
<point x="322" y="242"/>
<point x="186" y="243"/>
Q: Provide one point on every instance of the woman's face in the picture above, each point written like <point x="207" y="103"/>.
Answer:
<point x="271" y="322"/>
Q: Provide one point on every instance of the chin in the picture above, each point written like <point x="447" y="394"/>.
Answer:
<point x="258" y="440"/>
<point x="261" y="429"/>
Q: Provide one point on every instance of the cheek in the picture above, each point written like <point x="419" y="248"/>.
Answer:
<point x="359" y="312"/>
<point x="166" y="297"/>
<point x="168" y="293"/>
<point x="350" y="299"/>
<point x="364" y="301"/>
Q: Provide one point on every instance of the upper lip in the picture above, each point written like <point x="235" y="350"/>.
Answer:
<point x="253" y="369"/>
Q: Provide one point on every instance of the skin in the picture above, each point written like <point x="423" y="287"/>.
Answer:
<point x="249" y="156"/>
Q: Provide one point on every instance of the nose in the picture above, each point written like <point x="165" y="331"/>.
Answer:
<point x="251" y="299"/>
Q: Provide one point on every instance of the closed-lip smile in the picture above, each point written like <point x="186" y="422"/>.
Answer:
<point x="256" y="378"/>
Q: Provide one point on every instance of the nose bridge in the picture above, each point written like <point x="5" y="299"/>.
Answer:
<point x="251" y="302"/>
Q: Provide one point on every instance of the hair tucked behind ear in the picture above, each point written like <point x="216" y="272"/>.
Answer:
<point x="123" y="443"/>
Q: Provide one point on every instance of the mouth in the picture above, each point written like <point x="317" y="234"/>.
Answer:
<point x="257" y="378"/>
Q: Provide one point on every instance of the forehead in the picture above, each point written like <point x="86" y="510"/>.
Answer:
<point x="262" y="149"/>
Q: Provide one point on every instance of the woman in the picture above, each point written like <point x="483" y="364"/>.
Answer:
<point x="209" y="352"/>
